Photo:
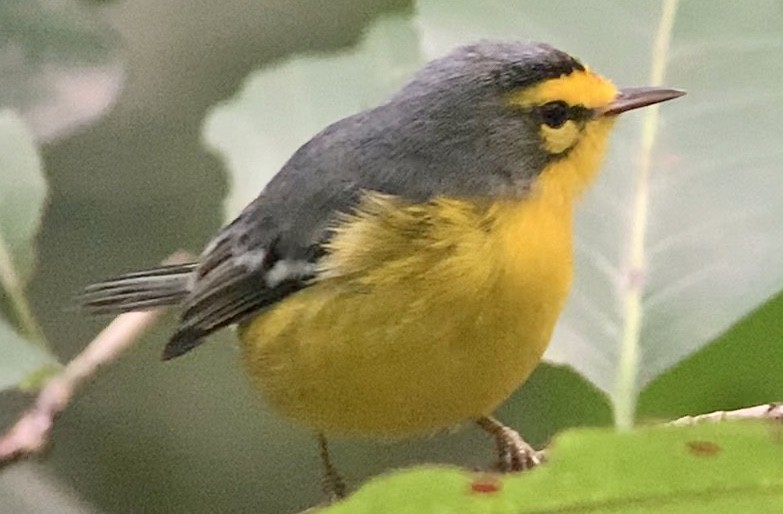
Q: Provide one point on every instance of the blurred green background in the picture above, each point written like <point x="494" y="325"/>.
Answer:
<point x="190" y="435"/>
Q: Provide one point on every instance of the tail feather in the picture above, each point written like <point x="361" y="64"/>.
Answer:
<point x="166" y="285"/>
<point x="182" y="342"/>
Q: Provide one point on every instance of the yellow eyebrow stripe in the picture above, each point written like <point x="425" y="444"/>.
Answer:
<point x="577" y="88"/>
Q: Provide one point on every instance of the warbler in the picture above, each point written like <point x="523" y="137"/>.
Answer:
<point x="404" y="270"/>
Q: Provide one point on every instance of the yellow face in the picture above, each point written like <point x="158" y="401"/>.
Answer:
<point x="571" y="130"/>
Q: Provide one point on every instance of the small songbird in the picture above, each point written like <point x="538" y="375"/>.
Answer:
<point x="403" y="272"/>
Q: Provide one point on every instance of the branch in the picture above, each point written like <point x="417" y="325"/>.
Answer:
<point x="31" y="433"/>
<point x="771" y="411"/>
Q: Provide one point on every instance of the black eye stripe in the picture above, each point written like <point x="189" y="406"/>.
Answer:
<point x="580" y="113"/>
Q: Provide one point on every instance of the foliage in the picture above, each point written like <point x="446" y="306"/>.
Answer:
<point x="59" y="65"/>
<point x="23" y="353"/>
<point x="59" y="68"/>
<point x="704" y="468"/>
<point x="700" y="227"/>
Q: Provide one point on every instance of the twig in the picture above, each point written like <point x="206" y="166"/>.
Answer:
<point x="772" y="411"/>
<point x="32" y="431"/>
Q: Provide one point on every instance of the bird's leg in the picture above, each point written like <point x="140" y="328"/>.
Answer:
<point x="513" y="452"/>
<point x="333" y="484"/>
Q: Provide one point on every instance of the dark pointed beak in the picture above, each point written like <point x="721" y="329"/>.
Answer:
<point x="635" y="97"/>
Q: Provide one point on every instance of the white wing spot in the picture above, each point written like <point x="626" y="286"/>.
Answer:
<point x="286" y="269"/>
<point x="251" y="260"/>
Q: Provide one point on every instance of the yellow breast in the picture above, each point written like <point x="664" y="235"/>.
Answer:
<point x="425" y="316"/>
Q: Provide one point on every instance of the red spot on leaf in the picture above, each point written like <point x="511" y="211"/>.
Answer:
<point x="486" y="485"/>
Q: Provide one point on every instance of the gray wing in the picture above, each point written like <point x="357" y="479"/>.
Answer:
<point x="271" y="249"/>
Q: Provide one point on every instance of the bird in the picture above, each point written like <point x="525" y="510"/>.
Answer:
<point x="403" y="272"/>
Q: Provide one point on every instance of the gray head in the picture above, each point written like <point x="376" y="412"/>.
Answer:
<point x="470" y="123"/>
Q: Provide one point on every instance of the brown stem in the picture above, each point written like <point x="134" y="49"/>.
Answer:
<point x="32" y="431"/>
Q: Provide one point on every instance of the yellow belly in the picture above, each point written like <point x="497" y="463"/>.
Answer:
<point x="425" y="316"/>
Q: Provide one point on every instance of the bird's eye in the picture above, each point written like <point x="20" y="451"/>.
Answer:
<point x="554" y="114"/>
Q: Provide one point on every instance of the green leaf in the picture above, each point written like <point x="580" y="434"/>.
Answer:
<point x="282" y="107"/>
<point x="707" y="468"/>
<point x="741" y="368"/>
<point x="59" y="64"/>
<point x="23" y="363"/>
<point x="22" y="199"/>
<point x="665" y="262"/>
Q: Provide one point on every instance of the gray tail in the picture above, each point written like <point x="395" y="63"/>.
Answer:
<point x="166" y="285"/>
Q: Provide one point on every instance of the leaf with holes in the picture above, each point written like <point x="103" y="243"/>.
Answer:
<point x="668" y="256"/>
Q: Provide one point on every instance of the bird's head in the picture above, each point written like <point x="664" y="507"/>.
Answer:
<point x="495" y="118"/>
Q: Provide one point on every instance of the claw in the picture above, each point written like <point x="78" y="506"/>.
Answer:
<point x="514" y="454"/>
<point x="332" y="482"/>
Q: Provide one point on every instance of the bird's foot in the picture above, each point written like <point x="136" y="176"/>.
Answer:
<point x="514" y="454"/>
<point x="334" y="487"/>
<point x="332" y="483"/>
